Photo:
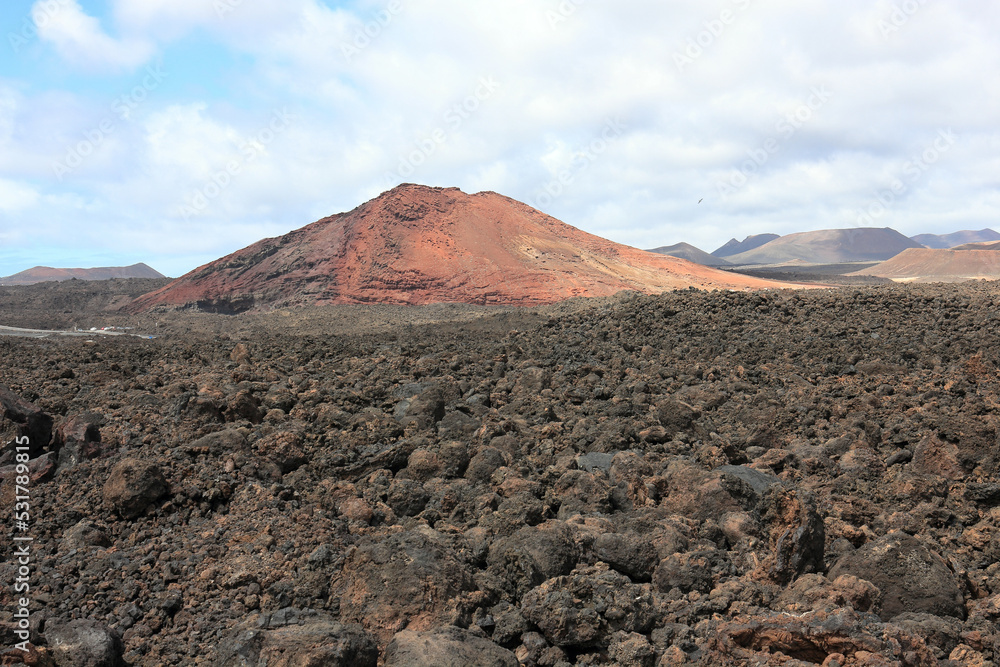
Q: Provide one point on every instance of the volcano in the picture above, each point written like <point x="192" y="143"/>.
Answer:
<point x="417" y="245"/>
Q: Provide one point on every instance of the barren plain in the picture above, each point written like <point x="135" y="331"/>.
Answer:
<point x="692" y="478"/>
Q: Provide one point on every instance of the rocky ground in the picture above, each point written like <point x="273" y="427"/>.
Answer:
<point x="695" y="478"/>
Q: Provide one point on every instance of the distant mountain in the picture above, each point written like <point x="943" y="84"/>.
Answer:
<point x="939" y="265"/>
<point x="829" y="246"/>
<point x="417" y="245"/>
<point x="43" y="274"/>
<point x="690" y="253"/>
<point x="956" y="238"/>
<point x="995" y="245"/>
<point x="734" y="247"/>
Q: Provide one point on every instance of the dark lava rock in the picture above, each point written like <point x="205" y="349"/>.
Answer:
<point x="676" y="416"/>
<point x="402" y="580"/>
<point x="220" y="443"/>
<point x="28" y="421"/>
<point x="692" y="571"/>
<point x="532" y="555"/>
<point x="758" y="480"/>
<point x="84" y="534"/>
<point x="284" y="449"/>
<point x="816" y="638"/>
<point x="446" y="647"/>
<point x="484" y="463"/>
<point x="912" y="578"/>
<point x="291" y="640"/>
<point x="133" y="486"/>
<point x="632" y="554"/>
<point x="585" y="608"/>
<point x="79" y="439"/>
<point x="84" y="643"/>
<point x="796" y="533"/>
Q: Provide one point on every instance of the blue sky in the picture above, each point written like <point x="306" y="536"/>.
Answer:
<point x="173" y="132"/>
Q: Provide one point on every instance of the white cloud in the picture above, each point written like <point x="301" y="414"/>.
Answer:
<point x="371" y="81"/>
<point x="82" y="42"/>
<point x="16" y="197"/>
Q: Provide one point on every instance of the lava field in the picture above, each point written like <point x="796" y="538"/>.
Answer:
<point x="694" y="478"/>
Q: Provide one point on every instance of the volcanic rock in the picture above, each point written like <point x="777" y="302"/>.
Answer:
<point x="22" y="419"/>
<point x="685" y="478"/>
<point x="293" y="637"/>
<point x="416" y="244"/>
<point x="446" y="647"/>
<point x="401" y="581"/>
<point x="79" y="438"/>
<point x="133" y="486"/>
<point x="586" y="607"/>
<point x="912" y="578"/>
<point x="84" y="643"/>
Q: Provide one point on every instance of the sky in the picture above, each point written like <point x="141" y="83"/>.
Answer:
<point x="173" y="132"/>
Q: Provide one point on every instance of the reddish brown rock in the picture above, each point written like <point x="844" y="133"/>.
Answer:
<point x="79" y="438"/>
<point x="23" y="419"/>
<point x="932" y="456"/>
<point x="133" y="486"/>
<point x="416" y="245"/>
<point x="400" y="581"/>
<point x="814" y="638"/>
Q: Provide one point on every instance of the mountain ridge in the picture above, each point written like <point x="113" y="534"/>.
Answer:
<point x="41" y="274"/>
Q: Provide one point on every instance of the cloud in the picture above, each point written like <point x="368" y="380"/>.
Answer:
<point x="16" y="197"/>
<point x="82" y="42"/>
<point x="371" y="82"/>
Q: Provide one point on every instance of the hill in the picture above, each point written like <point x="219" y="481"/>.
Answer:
<point x="734" y="247"/>
<point x="936" y="265"/>
<point x="942" y="241"/>
<point x="44" y="274"/>
<point x="416" y="245"/>
<point x="828" y="246"/>
<point x="985" y="245"/>
<point x="690" y="253"/>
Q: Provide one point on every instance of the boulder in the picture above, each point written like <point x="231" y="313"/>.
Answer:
<point x="84" y="533"/>
<point x="25" y="419"/>
<point x="79" y="439"/>
<point x="588" y="606"/>
<point x="133" y="486"/>
<point x="291" y="638"/>
<point x="795" y="531"/>
<point x="446" y="647"/>
<point x="912" y="578"/>
<point x="84" y="643"/>
<point x="403" y="580"/>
